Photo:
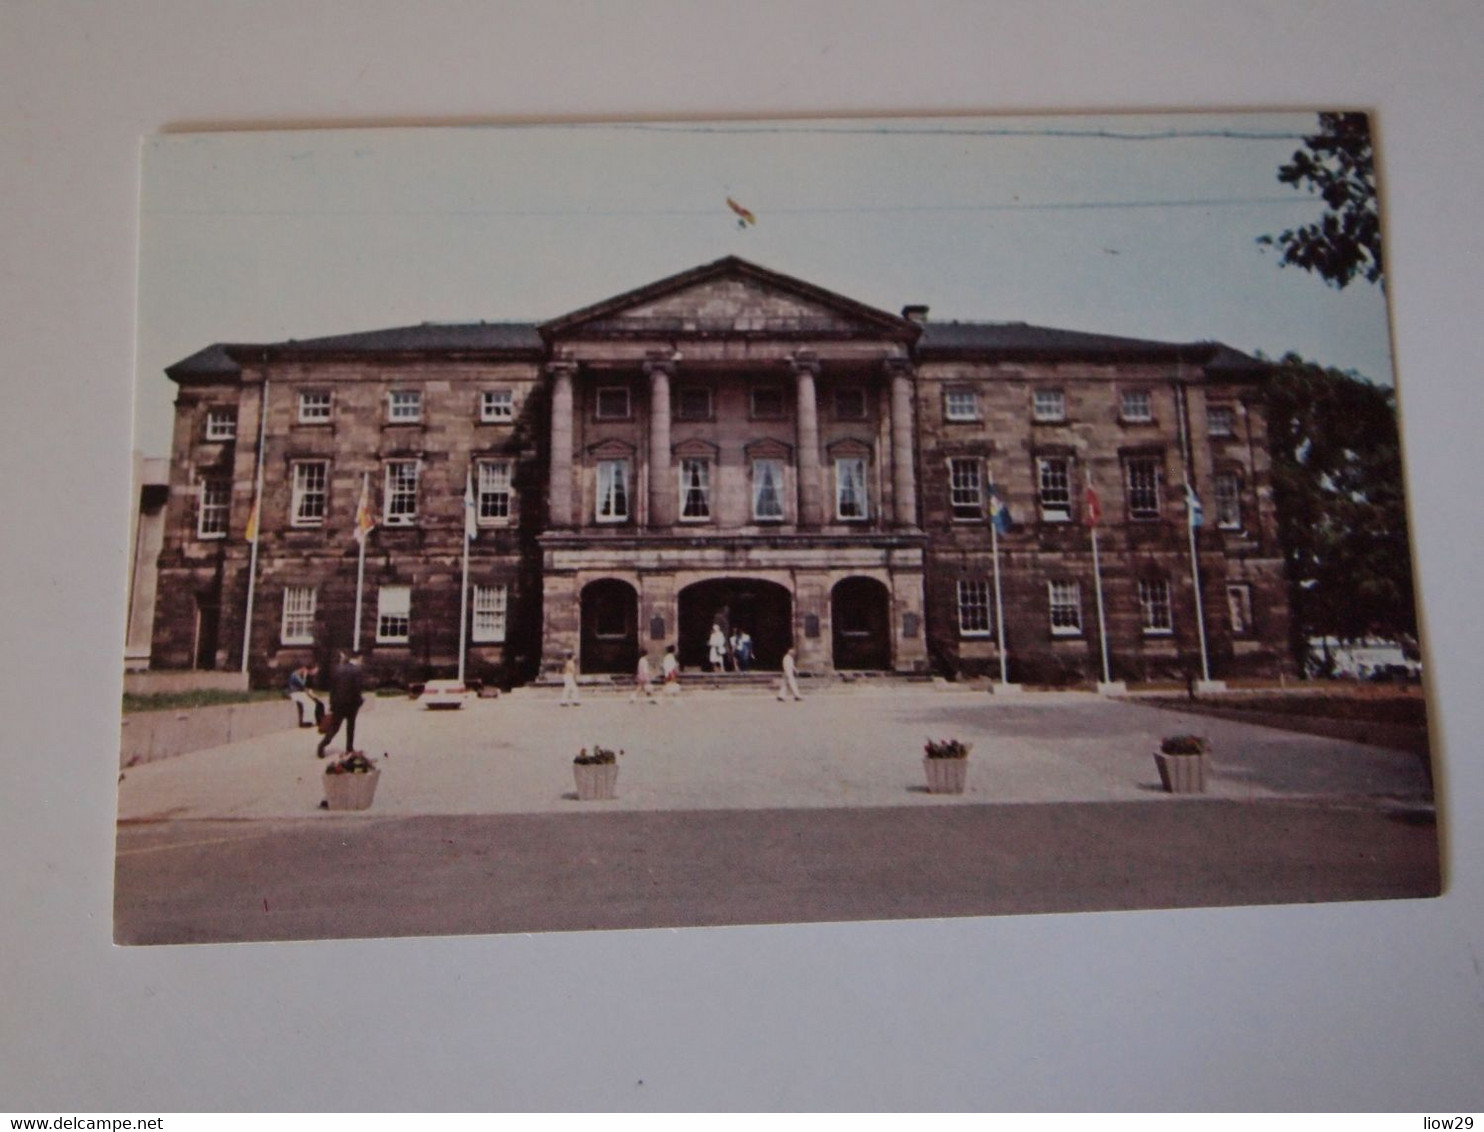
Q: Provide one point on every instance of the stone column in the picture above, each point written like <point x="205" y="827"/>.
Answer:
<point x="662" y="484"/>
<point x="560" y="487"/>
<point x="811" y="500"/>
<point x="903" y="468"/>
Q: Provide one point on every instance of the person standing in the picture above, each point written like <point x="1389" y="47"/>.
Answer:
<point x="569" y="682"/>
<point x="346" y="685"/>
<point x="790" y="680"/>
<point x="670" y="673"/>
<point x="744" y="651"/>
<point x="717" y="646"/>
<point x="300" y="680"/>
<point x="643" y="681"/>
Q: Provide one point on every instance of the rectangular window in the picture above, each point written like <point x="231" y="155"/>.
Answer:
<point x="1221" y="420"/>
<point x="613" y="491"/>
<point x="400" y="509"/>
<point x="1049" y="405"/>
<point x="851" y="498"/>
<point x="496" y="405"/>
<point x="693" y="403"/>
<point x="961" y="404"/>
<point x="1054" y="483"/>
<point x="973" y="607"/>
<point x="1066" y="608"/>
<point x="1228" y="490"/>
<point x="1142" y="484"/>
<point x="612" y="403"/>
<point x="221" y="424"/>
<point x="767" y="490"/>
<point x="404" y="406"/>
<point x="1239" y="609"/>
<point x="298" y="615"/>
<point x="768" y="403"/>
<point x="393" y="614"/>
<point x="965" y="489"/>
<point x="489" y="615"/>
<point x="493" y="487"/>
<point x="1136" y="406"/>
<point x="695" y="490"/>
<point x="314" y="407"/>
<point x="211" y="517"/>
<point x="1154" y="606"/>
<point x="310" y="493"/>
<point x="850" y="404"/>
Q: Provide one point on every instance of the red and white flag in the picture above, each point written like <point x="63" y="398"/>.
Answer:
<point x="1094" y="508"/>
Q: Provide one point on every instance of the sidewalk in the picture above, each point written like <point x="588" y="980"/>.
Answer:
<point x="741" y="750"/>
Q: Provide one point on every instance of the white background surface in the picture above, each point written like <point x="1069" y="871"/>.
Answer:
<point x="1377" y="1006"/>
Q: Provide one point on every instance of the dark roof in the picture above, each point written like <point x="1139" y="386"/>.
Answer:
<point x="212" y="363"/>
<point x="1021" y="339"/>
<point x="424" y="336"/>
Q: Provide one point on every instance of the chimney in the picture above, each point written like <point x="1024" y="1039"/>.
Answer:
<point x="916" y="312"/>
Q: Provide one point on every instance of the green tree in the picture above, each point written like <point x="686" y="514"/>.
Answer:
<point x="1338" y="163"/>
<point x="1337" y="486"/>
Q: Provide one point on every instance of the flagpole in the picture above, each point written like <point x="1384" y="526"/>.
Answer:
<point x="999" y="604"/>
<point x="255" y="518"/>
<point x="1195" y="574"/>
<point x="464" y="591"/>
<point x="355" y="635"/>
<point x="1094" y="513"/>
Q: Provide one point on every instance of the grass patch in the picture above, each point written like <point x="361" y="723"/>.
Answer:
<point x="205" y="697"/>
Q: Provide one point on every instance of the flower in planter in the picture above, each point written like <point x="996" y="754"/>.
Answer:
<point x="1183" y="745"/>
<point x="354" y="763"/>
<point x="947" y="749"/>
<point x="600" y="756"/>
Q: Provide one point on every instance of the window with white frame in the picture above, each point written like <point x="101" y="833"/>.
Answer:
<point x="216" y="500"/>
<point x="1049" y="405"/>
<point x="314" y="406"/>
<point x="1141" y="484"/>
<point x="310" y="493"/>
<point x="1136" y="406"/>
<point x="767" y="490"/>
<point x="613" y="491"/>
<point x="966" y="488"/>
<point x="1221" y="420"/>
<point x="1228" y="491"/>
<point x="400" y="498"/>
<point x="693" y="403"/>
<point x="768" y="403"/>
<point x="851" y="495"/>
<point x="489" y="614"/>
<point x="960" y="403"/>
<point x="393" y="614"/>
<point x="404" y="406"/>
<point x="221" y="424"/>
<point x="298" y="616"/>
<point x="850" y="403"/>
<point x="496" y="406"/>
<point x="1066" y="608"/>
<point x="1239" y="609"/>
<point x="973" y="607"/>
<point x="1154" y="606"/>
<point x="493" y="487"/>
<point x="1054" y="486"/>
<point x="695" y="489"/>
<point x="612" y="403"/>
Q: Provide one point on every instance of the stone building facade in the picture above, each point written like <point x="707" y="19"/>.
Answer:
<point x="728" y="444"/>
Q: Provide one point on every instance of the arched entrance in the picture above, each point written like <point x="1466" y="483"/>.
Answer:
<point x="610" y="626"/>
<point x="763" y="609"/>
<point x="860" y="616"/>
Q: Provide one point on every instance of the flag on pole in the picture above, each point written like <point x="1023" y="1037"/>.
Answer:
<point x="1094" y="506"/>
<point x="471" y="517"/>
<point x="744" y="217"/>
<point x="252" y="520"/>
<point x="364" y="521"/>
<point x="999" y="513"/>
<point x="1194" y="511"/>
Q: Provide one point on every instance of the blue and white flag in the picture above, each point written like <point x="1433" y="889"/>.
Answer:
<point x="999" y="513"/>
<point x="1195" y="512"/>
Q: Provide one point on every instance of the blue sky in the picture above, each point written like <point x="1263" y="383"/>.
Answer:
<point x="1137" y="225"/>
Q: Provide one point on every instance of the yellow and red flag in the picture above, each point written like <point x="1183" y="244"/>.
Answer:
<point x="744" y="217"/>
<point x="364" y="521"/>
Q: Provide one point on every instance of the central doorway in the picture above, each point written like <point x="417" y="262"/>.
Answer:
<point x="860" y="612"/>
<point x="610" y="626"/>
<point x="763" y="609"/>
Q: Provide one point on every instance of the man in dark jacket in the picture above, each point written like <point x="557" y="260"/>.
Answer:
<point x="345" y="702"/>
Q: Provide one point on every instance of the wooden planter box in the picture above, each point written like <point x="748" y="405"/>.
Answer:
<point x="351" y="791"/>
<point x="596" y="782"/>
<point x="946" y="776"/>
<point x="1182" y="774"/>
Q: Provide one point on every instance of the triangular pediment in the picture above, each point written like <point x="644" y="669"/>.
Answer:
<point x="731" y="297"/>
